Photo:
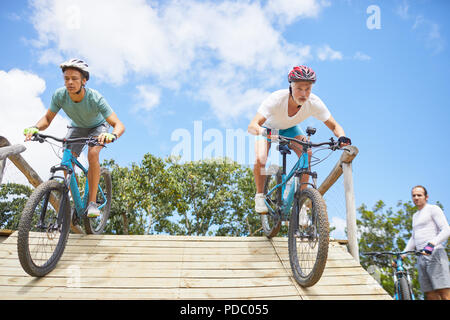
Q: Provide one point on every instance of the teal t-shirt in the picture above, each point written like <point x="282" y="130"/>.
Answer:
<point x="88" y="113"/>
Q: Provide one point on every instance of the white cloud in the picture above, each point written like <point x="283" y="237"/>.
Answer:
<point x="148" y="97"/>
<point x="402" y="10"/>
<point x="326" y="53"/>
<point x="340" y="225"/>
<point x="22" y="107"/>
<point x="216" y="48"/>
<point x="426" y="30"/>
<point x="287" y="11"/>
<point x="361" y="56"/>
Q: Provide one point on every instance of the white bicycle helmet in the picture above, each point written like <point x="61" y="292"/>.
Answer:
<point x="77" y="64"/>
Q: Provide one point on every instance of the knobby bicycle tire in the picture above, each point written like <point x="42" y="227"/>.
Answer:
<point x="37" y="242"/>
<point x="271" y="222"/>
<point x="308" y="244"/>
<point x="403" y="288"/>
<point x="97" y="225"/>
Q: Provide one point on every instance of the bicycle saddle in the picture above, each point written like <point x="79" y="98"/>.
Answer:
<point x="284" y="149"/>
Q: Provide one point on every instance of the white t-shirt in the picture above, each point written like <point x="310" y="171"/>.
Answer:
<point x="275" y="109"/>
<point x="429" y="225"/>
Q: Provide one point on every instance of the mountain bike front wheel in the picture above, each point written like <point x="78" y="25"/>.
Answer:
<point x="403" y="290"/>
<point x="44" y="228"/>
<point x="271" y="221"/>
<point x="103" y="199"/>
<point x="308" y="237"/>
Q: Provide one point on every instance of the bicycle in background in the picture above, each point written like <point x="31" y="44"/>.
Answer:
<point x="45" y="221"/>
<point x="304" y="208"/>
<point x="402" y="279"/>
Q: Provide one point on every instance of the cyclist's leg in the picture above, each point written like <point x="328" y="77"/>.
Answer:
<point x="94" y="162"/>
<point x="444" y="293"/>
<point x="262" y="148"/>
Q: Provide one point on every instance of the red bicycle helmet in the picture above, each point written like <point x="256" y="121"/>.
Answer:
<point x="302" y="73"/>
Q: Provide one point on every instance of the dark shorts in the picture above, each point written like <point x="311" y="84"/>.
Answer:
<point x="75" y="132"/>
<point x="434" y="271"/>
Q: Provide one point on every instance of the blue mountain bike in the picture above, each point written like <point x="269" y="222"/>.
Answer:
<point x="304" y="208"/>
<point x="45" y="221"/>
<point x="402" y="280"/>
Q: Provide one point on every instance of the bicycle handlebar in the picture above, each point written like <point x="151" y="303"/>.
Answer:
<point x="92" y="141"/>
<point x="334" y="145"/>
<point x="391" y="253"/>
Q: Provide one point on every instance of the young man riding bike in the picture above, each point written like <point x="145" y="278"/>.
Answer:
<point x="282" y="111"/>
<point x="91" y="115"/>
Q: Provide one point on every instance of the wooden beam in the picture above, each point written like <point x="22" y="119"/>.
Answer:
<point x="347" y="156"/>
<point x="11" y="150"/>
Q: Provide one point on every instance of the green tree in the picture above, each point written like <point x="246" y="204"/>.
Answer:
<point x="13" y="197"/>
<point x="207" y="198"/>
<point x="125" y="216"/>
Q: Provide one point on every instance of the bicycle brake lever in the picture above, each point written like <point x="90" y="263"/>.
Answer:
<point x="39" y="139"/>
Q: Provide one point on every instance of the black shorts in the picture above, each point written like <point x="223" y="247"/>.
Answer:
<point x="75" y="132"/>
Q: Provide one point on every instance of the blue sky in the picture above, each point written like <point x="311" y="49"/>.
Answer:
<point x="168" y="66"/>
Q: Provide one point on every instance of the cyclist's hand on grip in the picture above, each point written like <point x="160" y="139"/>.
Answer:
<point x="29" y="132"/>
<point x="428" y="249"/>
<point x="106" y="137"/>
<point x="344" y="141"/>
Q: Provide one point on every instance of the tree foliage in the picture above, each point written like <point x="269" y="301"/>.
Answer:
<point x="13" y="197"/>
<point x="193" y="198"/>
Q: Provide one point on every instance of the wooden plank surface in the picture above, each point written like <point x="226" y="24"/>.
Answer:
<point x="176" y="267"/>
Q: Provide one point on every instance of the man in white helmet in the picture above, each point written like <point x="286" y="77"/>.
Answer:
<point x="91" y="115"/>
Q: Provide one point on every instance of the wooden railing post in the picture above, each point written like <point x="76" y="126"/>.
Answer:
<point x="344" y="166"/>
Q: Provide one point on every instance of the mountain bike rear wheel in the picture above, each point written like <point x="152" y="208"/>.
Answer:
<point x="271" y="222"/>
<point x="308" y="237"/>
<point x="41" y="239"/>
<point x="104" y="193"/>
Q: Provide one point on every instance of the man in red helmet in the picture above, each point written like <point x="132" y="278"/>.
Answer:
<point x="283" y="110"/>
<point x="91" y="115"/>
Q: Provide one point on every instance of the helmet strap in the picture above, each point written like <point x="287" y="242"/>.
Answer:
<point x="290" y="94"/>
<point x="81" y="88"/>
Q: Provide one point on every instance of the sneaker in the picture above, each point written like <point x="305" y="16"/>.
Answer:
<point x="260" y="205"/>
<point x="303" y="217"/>
<point x="92" y="210"/>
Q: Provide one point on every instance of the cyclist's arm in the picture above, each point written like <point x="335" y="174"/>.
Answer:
<point x="254" y="127"/>
<point x="118" y="127"/>
<point x="335" y="127"/>
<point x="43" y="123"/>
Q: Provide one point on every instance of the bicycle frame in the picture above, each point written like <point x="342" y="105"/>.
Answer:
<point x="301" y="167"/>
<point x="67" y="162"/>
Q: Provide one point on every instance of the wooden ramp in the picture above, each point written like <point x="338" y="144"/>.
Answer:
<point x="176" y="267"/>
